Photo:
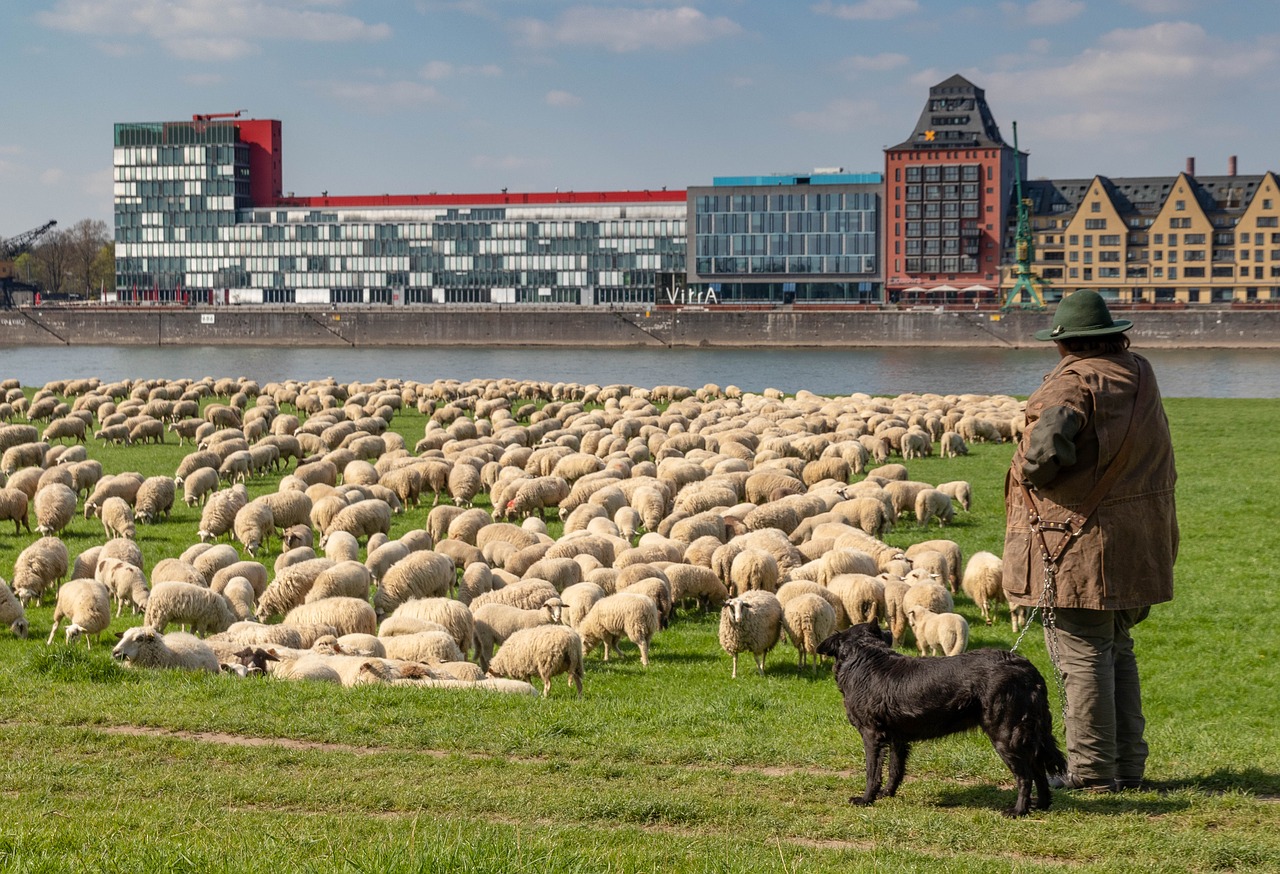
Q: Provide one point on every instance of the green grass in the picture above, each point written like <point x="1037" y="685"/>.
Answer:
<point x="673" y="768"/>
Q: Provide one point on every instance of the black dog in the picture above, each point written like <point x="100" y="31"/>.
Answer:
<point x="892" y="700"/>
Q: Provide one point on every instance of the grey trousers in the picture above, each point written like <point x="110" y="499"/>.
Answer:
<point x="1104" y="720"/>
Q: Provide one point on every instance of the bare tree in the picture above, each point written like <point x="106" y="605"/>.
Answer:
<point x="53" y="258"/>
<point x="86" y="239"/>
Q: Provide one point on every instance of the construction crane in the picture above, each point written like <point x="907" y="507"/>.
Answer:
<point x="1027" y="291"/>
<point x="210" y="116"/>
<point x="10" y="249"/>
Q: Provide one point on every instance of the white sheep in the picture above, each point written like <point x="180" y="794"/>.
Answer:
<point x="422" y="646"/>
<point x="453" y="615"/>
<point x="753" y="569"/>
<point x="808" y="619"/>
<point x="219" y="514"/>
<point x="959" y="491"/>
<point x="346" y="579"/>
<point x="360" y="519"/>
<point x="578" y="600"/>
<point x="55" y="507"/>
<point x="626" y="614"/>
<point x="40" y="566"/>
<point x="347" y="615"/>
<point x="117" y="518"/>
<point x="253" y="525"/>
<point x="940" y="633"/>
<point x="952" y="445"/>
<point x="13" y="508"/>
<point x="933" y="504"/>
<point x="751" y="622"/>
<point x="984" y="583"/>
<point x="494" y="623"/>
<point x="154" y="499"/>
<point x="290" y="587"/>
<point x="861" y="595"/>
<point x="545" y="651"/>
<point x="87" y="603"/>
<point x="418" y="575"/>
<point x="240" y="597"/>
<point x="12" y="613"/>
<point x="186" y="604"/>
<point x="144" y="647"/>
<point x="341" y="546"/>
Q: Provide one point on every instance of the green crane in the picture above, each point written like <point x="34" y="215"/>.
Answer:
<point x="1026" y="292"/>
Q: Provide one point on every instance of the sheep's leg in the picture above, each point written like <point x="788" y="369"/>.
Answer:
<point x="760" y="663"/>
<point x="52" y="632"/>
<point x="734" y="675"/>
<point x="644" y="652"/>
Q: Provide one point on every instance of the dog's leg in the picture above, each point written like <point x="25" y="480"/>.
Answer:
<point x="898" y="750"/>
<point x="873" y="747"/>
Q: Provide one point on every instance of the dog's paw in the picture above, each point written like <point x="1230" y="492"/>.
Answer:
<point x="1013" y="813"/>
<point x="860" y="801"/>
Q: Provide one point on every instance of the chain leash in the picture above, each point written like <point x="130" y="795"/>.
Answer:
<point x="1048" y="594"/>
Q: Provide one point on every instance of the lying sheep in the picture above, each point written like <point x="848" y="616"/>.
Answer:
<point x="87" y="603"/>
<point x="451" y="614"/>
<point x="940" y="633"/>
<point x="144" y="647"/>
<point x="751" y="622"/>
<point x="808" y="619"/>
<point x="623" y="614"/>
<point x="422" y="646"/>
<point x="205" y="611"/>
<point x="544" y="650"/>
<point x="12" y="613"/>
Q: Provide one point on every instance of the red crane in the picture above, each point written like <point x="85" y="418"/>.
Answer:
<point x="212" y="115"/>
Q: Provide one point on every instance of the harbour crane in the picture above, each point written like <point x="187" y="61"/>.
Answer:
<point x="1027" y="291"/>
<point x="10" y="249"/>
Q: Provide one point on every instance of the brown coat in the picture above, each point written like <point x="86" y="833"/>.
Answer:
<point x="1124" y="555"/>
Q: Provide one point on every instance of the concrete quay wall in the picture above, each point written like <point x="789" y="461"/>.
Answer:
<point x="593" y="326"/>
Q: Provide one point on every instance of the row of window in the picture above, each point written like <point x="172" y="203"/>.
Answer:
<point x="785" y="223"/>
<point x="944" y="172"/>
<point x="787" y="244"/>
<point x="815" y="202"/>
<point x="833" y="264"/>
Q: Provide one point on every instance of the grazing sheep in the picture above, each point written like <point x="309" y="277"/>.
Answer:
<point x="751" y="622"/>
<point x="983" y="582"/>
<point x="240" y="597"/>
<point x="417" y="575"/>
<point x="527" y="594"/>
<point x="380" y="559"/>
<point x="40" y="566"/>
<point x="13" y="508"/>
<point x="12" y="613"/>
<point x="125" y="581"/>
<point x="933" y="504"/>
<point x="253" y="525"/>
<point x="545" y="650"/>
<point x="347" y="615"/>
<point x="117" y="518"/>
<point x="360" y="519"/>
<point x="55" y="506"/>
<point x="959" y="491"/>
<point x="219" y="514"/>
<point x="952" y="445"/>
<point x="494" y="623"/>
<point x="578" y="600"/>
<point x="121" y="485"/>
<point x="808" y="620"/>
<point x="612" y="617"/>
<point x="938" y="633"/>
<point x="87" y="603"/>
<point x="154" y="499"/>
<point x="346" y="579"/>
<point x="342" y="546"/>
<point x="297" y="535"/>
<point x="289" y="588"/>
<point x="209" y="559"/>
<point x="289" y="508"/>
<point x="693" y="581"/>
<point x="861" y="595"/>
<point x="252" y="571"/>
<point x="753" y="569"/>
<point x="145" y="647"/>
<point x="205" y="611"/>
<point x="198" y="485"/>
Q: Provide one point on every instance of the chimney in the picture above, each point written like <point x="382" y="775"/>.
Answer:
<point x="1191" y="166"/>
<point x="1231" y="165"/>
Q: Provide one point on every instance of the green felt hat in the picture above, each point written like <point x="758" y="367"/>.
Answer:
<point x="1083" y="314"/>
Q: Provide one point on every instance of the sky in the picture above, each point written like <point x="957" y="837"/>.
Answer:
<point x="469" y="96"/>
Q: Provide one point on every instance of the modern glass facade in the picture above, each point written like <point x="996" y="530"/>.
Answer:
<point x="788" y="239"/>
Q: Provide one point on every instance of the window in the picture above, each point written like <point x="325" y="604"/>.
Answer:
<point x="1268" y="221"/>
<point x="1157" y="239"/>
<point x="1193" y="239"/>
<point x="1179" y="222"/>
<point x="1179" y="205"/>
<point x="1074" y="240"/>
<point x="1095" y="224"/>
<point x="1193" y="273"/>
<point x="1109" y="240"/>
<point x="1088" y="257"/>
<point x="1173" y="239"/>
<point x="1096" y="206"/>
<point x="1088" y="240"/>
<point x="1173" y="272"/>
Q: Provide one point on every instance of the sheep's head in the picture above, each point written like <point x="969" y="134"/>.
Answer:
<point x="736" y="608"/>
<point x="19" y="627"/>
<point x="74" y="632"/>
<point x="133" y="641"/>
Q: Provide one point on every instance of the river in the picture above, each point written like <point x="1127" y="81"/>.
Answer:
<point x="1216" y="373"/>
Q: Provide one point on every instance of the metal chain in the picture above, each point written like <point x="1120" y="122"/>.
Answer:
<point x="1044" y="607"/>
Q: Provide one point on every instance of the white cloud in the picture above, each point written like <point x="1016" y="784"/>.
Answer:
<point x="52" y="176"/>
<point x="212" y="29"/>
<point x="434" y="71"/>
<point x="625" y="30"/>
<point x="1041" y="13"/>
<point x="381" y="97"/>
<point x="867" y="10"/>
<point x="562" y="99"/>
<point x="838" y="116"/>
<point x="202" y="79"/>
<point x="873" y="63"/>
<point x="1162" y="7"/>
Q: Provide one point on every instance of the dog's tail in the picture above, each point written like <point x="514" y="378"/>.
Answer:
<point x="1047" y="753"/>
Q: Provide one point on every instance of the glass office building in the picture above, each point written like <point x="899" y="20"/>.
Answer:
<point x="788" y="239"/>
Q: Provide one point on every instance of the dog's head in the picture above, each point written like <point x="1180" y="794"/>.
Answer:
<point x="842" y="644"/>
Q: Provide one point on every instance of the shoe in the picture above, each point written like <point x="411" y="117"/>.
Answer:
<point x="1131" y="784"/>
<point x="1073" y="781"/>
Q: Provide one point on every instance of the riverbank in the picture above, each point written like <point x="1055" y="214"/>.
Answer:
<point x="495" y="325"/>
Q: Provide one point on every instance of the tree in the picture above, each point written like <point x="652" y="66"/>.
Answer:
<point x="53" y="258"/>
<point x="103" y="276"/>
<point x="86" y="239"/>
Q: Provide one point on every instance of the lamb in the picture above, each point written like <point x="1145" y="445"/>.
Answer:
<point x="154" y="499"/>
<point x="253" y="525"/>
<point x="931" y="596"/>
<point x="117" y="518"/>
<point x="13" y="508"/>
<point x="939" y="633"/>
<point x="55" y="505"/>
<point x="544" y="650"/>
<point x="959" y="491"/>
<point x="626" y="613"/>
<point x="12" y="613"/>
<point x="146" y="647"/>
<point x="361" y="519"/>
<point x="417" y="575"/>
<point x="252" y="571"/>
<point x="808" y="620"/>
<point x="933" y="504"/>
<point x="983" y="582"/>
<point x="751" y="622"/>
<point x="220" y="511"/>
<point x="205" y="611"/>
<point x="952" y="445"/>
<point x="87" y="603"/>
<point x="347" y="615"/>
<point x="198" y="485"/>
<point x="40" y="566"/>
<point x="494" y="623"/>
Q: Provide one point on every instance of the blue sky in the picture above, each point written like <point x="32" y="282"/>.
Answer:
<point x="415" y="96"/>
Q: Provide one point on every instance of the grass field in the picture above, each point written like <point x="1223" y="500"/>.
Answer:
<point x="671" y="768"/>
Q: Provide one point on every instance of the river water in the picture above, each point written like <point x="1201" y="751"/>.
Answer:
<point x="1216" y="373"/>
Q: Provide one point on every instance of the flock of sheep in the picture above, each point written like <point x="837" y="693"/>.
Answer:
<point x="771" y="509"/>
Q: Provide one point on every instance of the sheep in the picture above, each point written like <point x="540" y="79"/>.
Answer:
<point x="494" y="623"/>
<point x="361" y="519"/>
<point x="342" y="546"/>
<point x="198" y="485"/>
<point x="394" y="626"/>
<point x="219" y="514"/>
<point x="117" y="518"/>
<point x="292" y="557"/>
<point x="983" y="582"/>
<point x="297" y="535"/>
<point x="347" y="615"/>
<point x="380" y="560"/>
<point x="12" y="613"/>
<point x="624" y="613"/>
<point x="209" y="559"/>
<point x="952" y="445"/>
<point x="938" y="633"/>
<point x="347" y="579"/>
<point x="145" y="647"/>
<point x="422" y="646"/>
<point x="453" y="615"/>
<point x="753" y="569"/>
<point x="125" y="581"/>
<point x="252" y="571"/>
<point x="55" y="505"/>
<point x="959" y="491"/>
<point x="536" y="494"/>
<point x="205" y="611"/>
<point x="289" y="508"/>
<point x="13" y="508"/>
<point x="933" y="504"/>
<point x="808" y="619"/>
<point x="795" y="588"/>
<point x="845" y="561"/>
<point x="750" y="622"/>
<point x="154" y="499"/>
<point x="861" y="595"/>
<point x="290" y="587"/>
<point x="527" y="594"/>
<point x="122" y="485"/>
<point x="253" y="525"/>
<point x="693" y="581"/>
<point x="931" y="596"/>
<point x="87" y="603"/>
<point x="240" y="597"/>
<point x="417" y="575"/>
<point x="545" y="650"/>
<point x="40" y="566"/>
<point x="578" y="600"/>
